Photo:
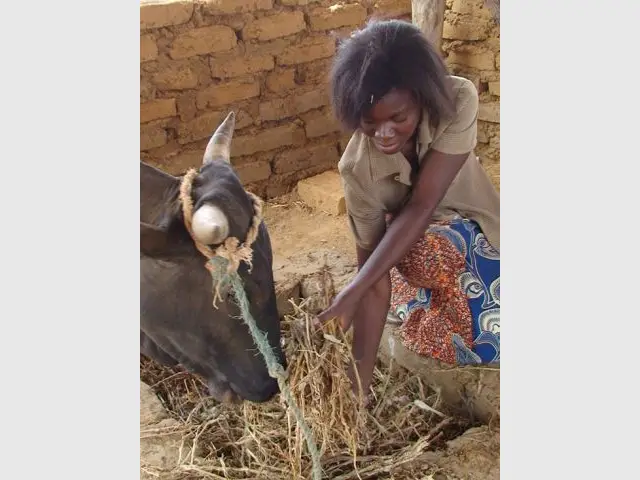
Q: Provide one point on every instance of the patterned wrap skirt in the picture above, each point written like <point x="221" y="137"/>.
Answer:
<point x="446" y="293"/>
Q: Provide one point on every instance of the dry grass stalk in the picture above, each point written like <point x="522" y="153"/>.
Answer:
<point x="263" y="441"/>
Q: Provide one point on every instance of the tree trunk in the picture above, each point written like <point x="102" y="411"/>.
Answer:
<point x="428" y="15"/>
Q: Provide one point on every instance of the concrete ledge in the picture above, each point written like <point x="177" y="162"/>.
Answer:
<point x="323" y="193"/>
<point x="471" y="391"/>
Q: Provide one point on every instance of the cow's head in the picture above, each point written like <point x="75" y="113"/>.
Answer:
<point x="178" y="321"/>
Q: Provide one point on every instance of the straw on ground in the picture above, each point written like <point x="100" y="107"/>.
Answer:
<point x="254" y="441"/>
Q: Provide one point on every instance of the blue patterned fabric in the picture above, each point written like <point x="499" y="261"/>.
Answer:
<point x="481" y="285"/>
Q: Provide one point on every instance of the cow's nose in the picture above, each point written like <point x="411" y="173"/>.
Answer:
<point x="259" y="391"/>
<point x="231" y="397"/>
<point x="223" y="393"/>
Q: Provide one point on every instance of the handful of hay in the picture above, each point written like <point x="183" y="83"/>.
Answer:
<point x="263" y="441"/>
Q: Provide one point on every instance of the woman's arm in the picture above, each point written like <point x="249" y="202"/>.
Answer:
<point x="368" y="324"/>
<point x="437" y="172"/>
<point x="370" y="290"/>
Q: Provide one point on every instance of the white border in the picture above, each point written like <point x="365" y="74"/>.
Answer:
<point x="569" y="194"/>
<point x="70" y="328"/>
<point x="569" y="127"/>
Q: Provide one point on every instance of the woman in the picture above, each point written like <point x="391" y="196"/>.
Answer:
<point x="424" y="214"/>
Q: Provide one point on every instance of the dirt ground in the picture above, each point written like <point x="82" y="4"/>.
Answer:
<point x="295" y="229"/>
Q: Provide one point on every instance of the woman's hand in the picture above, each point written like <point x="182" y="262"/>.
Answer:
<point x="344" y="307"/>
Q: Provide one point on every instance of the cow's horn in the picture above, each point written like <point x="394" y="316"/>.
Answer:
<point x="220" y="144"/>
<point x="210" y="225"/>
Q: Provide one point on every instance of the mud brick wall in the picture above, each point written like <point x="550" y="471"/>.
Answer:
<point x="268" y="60"/>
<point x="471" y="44"/>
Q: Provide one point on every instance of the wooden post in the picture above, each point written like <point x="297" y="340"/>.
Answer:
<point x="428" y="15"/>
<point x="494" y="6"/>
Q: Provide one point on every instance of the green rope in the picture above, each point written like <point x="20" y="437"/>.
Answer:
<point x="260" y="339"/>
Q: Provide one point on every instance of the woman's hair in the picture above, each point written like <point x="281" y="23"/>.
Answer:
<point x="385" y="55"/>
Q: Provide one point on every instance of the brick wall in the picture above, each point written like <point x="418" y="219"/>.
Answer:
<point x="268" y="60"/>
<point x="471" y="43"/>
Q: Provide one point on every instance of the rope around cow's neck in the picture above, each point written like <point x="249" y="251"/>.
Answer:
<point x="231" y="250"/>
<point x="230" y="254"/>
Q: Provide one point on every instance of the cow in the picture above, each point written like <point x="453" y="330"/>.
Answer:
<point x="178" y="323"/>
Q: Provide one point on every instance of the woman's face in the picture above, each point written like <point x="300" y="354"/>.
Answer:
<point x="392" y="121"/>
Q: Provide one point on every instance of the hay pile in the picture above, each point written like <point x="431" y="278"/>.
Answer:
<point x="253" y="441"/>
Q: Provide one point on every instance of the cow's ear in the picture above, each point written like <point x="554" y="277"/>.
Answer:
<point x="154" y="241"/>
<point x="156" y="189"/>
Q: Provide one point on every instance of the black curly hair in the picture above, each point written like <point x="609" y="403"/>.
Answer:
<point x="384" y="55"/>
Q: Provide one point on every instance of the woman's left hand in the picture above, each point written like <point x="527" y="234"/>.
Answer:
<point x="344" y="307"/>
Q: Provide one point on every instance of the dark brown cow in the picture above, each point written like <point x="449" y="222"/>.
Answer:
<point x="178" y="324"/>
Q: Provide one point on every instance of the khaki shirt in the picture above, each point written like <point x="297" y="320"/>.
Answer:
<point x="376" y="184"/>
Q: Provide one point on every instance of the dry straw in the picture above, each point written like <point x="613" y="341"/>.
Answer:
<point x="263" y="441"/>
